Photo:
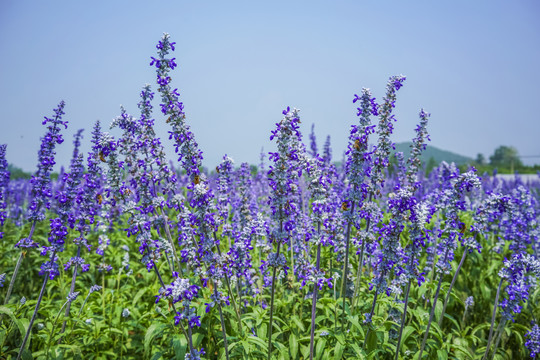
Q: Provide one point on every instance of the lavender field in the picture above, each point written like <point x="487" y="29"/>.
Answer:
<point x="307" y="255"/>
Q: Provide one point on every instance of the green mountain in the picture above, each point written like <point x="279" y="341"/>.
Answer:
<point x="432" y="152"/>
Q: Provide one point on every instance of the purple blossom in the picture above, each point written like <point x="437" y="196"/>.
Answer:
<point x="533" y="341"/>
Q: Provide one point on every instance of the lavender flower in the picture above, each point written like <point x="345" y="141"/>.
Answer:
<point x="327" y="151"/>
<point x="533" y="341"/>
<point x="41" y="182"/>
<point x="4" y="183"/>
<point x="469" y="302"/>
<point x="186" y="147"/>
<point x="521" y="272"/>
<point x="72" y="296"/>
<point x="313" y="142"/>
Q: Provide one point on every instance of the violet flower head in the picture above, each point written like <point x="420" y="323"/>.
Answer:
<point x="313" y="142"/>
<point x="72" y="296"/>
<point x="358" y="165"/>
<point x="327" y="151"/>
<point x="41" y="182"/>
<point x="89" y="196"/>
<point x="186" y="147"/>
<point x="384" y="130"/>
<point x="521" y="273"/>
<point x="4" y="183"/>
<point x="533" y="341"/>
<point x="285" y="171"/>
<point x="76" y="145"/>
<point x="224" y="188"/>
<point x="418" y="145"/>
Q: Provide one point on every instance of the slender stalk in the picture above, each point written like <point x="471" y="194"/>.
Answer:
<point x="272" y="304"/>
<point x="71" y="290"/>
<point x="225" y="343"/>
<point x="465" y="251"/>
<point x="358" y="273"/>
<point x="430" y="317"/>
<point x="499" y="333"/>
<point x="29" y="330"/>
<point x="169" y="237"/>
<point x="346" y="266"/>
<point x="371" y="317"/>
<point x="493" y="320"/>
<point x="314" y="302"/>
<point x="231" y="294"/>
<point x="292" y="261"/>
<point x="54" y="325"/>
<point x="12" y="281"/>
<point x="361" y="260"/>
<point x="335" y="301"/>
<point x="17" y="266"/>
<point x="404" y="315"/>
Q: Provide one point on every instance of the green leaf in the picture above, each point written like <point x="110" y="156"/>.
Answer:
<point x="305" y="351"/>
<point x="263" y="331"/>
<point x="338" y="351"/>
<point x="258" y="341"/>
<point x="151" y="333"/>
<point x="20" y="325"/>
<point x="406" y="333"/>
<point x="138" y="296"/>
<point x="319" y="349"/>
<point x="293" y="344"/>
<point x="442" y="355"/>
<point x="371" y="341"/>
<point x="298" y="323"/>
<point x="180" y="347"/>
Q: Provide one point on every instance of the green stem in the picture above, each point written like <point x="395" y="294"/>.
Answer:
<point x="499" y="333"/>
<point x="452" y="285"/>
<point x="71" y="290"/>
<point x="314" y="301"/>
<point x="404" y="315"/>
<point x="493" y="320"/>
<point x="346" y="267"/>
<point x="430" y="317"/>
<point x="29" y="330"/>
<point x="272" y="304"/>
<point x="225" y="343"/>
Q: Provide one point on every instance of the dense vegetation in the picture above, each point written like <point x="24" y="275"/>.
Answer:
<point x="126" y="255"/>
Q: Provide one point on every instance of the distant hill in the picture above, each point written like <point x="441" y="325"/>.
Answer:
<point x="432" y="152"/>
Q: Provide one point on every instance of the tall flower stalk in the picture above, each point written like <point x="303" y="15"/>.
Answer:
<point x="41" y="192"/>
<point x="282" y="178"/>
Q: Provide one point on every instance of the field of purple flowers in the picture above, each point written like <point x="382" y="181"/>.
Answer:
<point x="128" y="255"/>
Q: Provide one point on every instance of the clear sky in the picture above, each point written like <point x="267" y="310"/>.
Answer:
<point x="474" y="65"/>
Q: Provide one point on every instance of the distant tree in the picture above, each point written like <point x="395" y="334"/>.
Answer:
<point x="505" y="156"/>
<point x="480" y="159"/>
<point x="18" y="173"/>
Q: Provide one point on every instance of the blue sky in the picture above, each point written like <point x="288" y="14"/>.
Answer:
<point x="472" y="64"/>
